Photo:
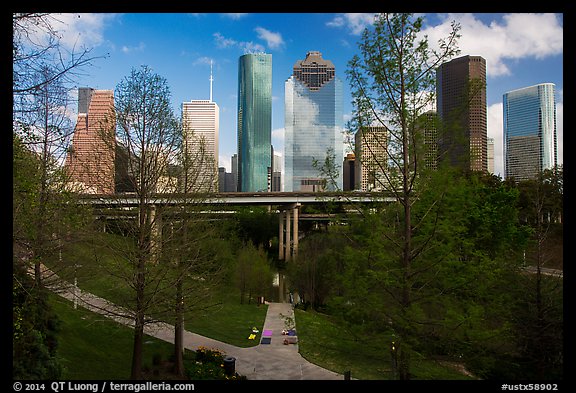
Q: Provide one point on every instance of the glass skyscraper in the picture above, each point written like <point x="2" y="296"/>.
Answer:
<point x="313" y="123"/>
<point x="254" y="121"/>
<point x="530" y="140"/>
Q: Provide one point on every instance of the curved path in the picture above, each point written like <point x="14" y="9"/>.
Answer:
<point x="274" y="361"/>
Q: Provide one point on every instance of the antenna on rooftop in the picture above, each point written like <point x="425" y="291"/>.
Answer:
<point x="211" y="80"/>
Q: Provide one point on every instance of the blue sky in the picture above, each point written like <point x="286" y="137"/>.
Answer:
<point x="520" y="49"/>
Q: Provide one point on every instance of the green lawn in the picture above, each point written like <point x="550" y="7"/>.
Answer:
<point x="224" y="319"/>
<point x="229" y="321"/>
<point x="94" y="347"/>
<point x="324" y="342"/>
<point x="91" y="346"/>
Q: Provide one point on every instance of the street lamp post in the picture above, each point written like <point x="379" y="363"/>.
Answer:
<point x="76" y="266"/>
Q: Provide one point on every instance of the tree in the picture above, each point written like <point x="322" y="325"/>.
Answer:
<point x="315" y="271"/>
<point x="46" y="130"/>
<point x="151" y="133"/>
<point x="36" y="43"/>
<point x="42" y="213"/>
<point x="197" y="255"/>
<point x="167" y="257"/>
<point x="253" y="275"/>
<point x="34" y="341"/>
<point x="538" y="311"/>
<point x="392" y="85"/>
<point x="470" y="248"/>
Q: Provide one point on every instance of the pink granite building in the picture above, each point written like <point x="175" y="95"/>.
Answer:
<point x="90" y="161"/>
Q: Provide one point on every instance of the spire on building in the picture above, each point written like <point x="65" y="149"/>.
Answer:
<point x="211" y="80"/>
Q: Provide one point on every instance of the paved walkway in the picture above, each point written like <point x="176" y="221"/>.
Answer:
<point x="274" y="361"/>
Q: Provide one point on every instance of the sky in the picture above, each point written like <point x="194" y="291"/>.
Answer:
<point x="520" y="49"/>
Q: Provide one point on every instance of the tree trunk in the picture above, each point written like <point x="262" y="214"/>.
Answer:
<point x="179" y="332"/>
<point x="140" y="308"/>
<point x="404" y="364"/>
<point x="136" y="372"/>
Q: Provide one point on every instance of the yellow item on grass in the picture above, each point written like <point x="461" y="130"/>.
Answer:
<point x="252" y="337"/>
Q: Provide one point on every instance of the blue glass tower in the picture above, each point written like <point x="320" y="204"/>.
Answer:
<point x="313" y="124"/>
<point x="254" y="121"/>
<point x="530" y="140"/>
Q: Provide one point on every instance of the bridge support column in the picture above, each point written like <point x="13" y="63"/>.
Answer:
<point x="287" y="243"/>
<point x="288" y="253"/>
<point x="281" y="237"/>
<point x="288" y="233"/>
<point x="295" y="234"/>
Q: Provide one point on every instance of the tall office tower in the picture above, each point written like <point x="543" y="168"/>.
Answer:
<point x="530" y="139"/>
<point x="276" y="182"/>
<point x="349" y="172"/>
<point x="371" y="158"/>
<point x="201" y="123"/>
<point x="313" y="123"/>
<point x="490" y="155"/>
<point x="234" y="163"/>
<point x="461" y="105"/>
<point x="225" y="181"/>
<point x="254" y="121"/>
<point x="90" y="162"/>
<point x="427" y="125"/>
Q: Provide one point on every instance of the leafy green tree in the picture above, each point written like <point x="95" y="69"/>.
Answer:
<point x="256" y="225"/>
<point x="35" y="327"/>
<point x="542" y="195"/>
<point x="35" y="330"/>
<point x="538" y="317"/>
<point x="253" y="274"/>
<point x="315" y="271"/>
<point x="43" y="215"/>
<point x="393" y="83"/>
<point x="469" y="246"/>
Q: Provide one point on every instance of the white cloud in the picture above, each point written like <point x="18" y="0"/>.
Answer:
<point x="235" y="15"/>
<point x="130" y="49"/>
<point x="81" y="30"/>
<point x="247" y="47"/>
<point x="204" y="60"/>
<point x="226" y="162"/>
<point x="223" y="42"/>
<point x="354" y="22"/>
<point x="273" y="40"/>
<point x="278" y="134"/>
<point x="518" y="36"/>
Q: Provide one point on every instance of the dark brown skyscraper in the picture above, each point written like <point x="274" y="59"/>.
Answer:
<point x="461" y="105"/>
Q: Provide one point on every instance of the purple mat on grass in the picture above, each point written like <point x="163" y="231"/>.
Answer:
<point x="267" y="332"/>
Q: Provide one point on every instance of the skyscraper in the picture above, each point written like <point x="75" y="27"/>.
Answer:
<point x="90" y="161"/>
<point x="254" y="121"/>
<point x="349" y="172"/>
<point x="490" y="155"/>
<point x="201" y="123"/>
<point x="461" y="105"/>
<point x="313" y="122"/>
<point x="276" y="179"/>
<point x="530" y="140"/>
<point x="371" y="144"/>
